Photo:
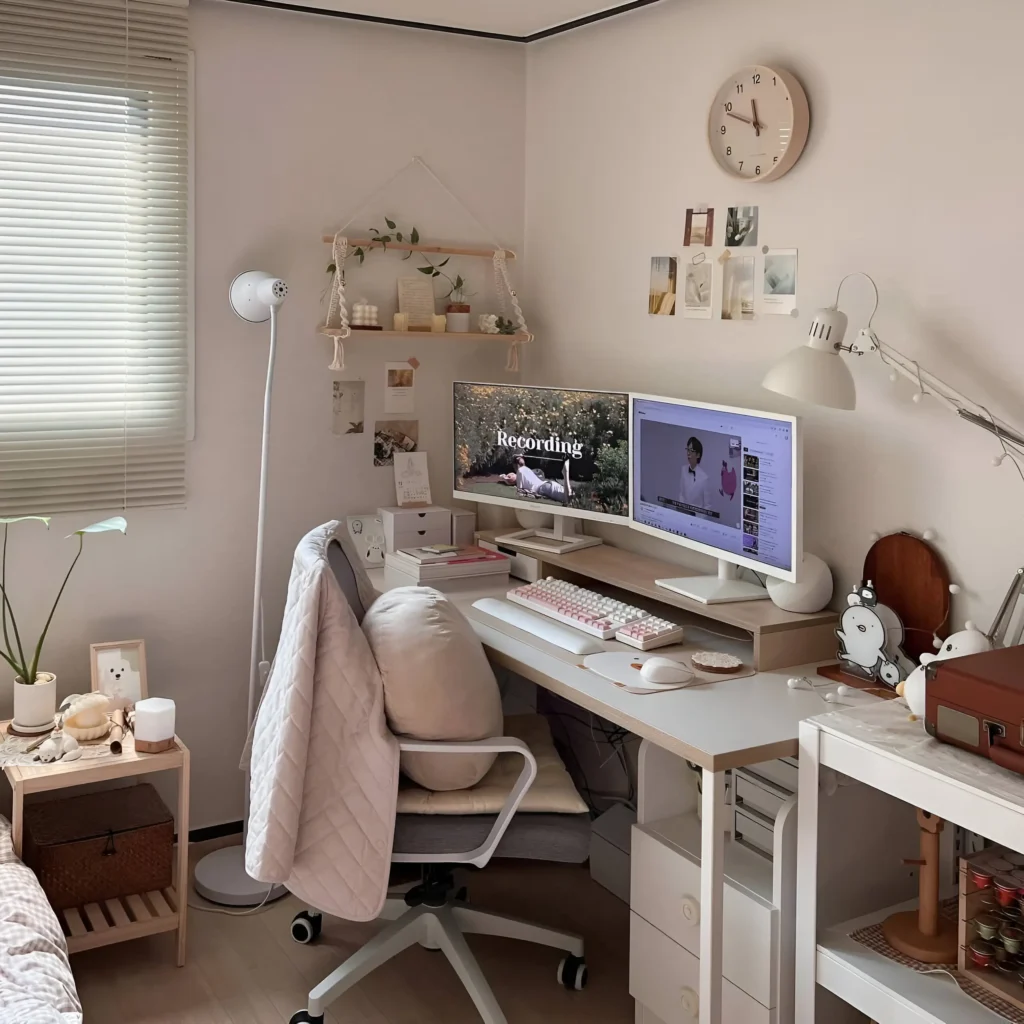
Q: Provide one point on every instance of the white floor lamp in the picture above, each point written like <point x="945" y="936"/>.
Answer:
<point x="221" y="876"/>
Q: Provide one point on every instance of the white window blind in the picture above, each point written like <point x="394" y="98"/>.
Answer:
<point x="94" y="269"/>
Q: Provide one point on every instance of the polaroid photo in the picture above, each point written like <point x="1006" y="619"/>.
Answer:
<point x="662" y="298"/>
<point x="779" y="281"/>
<point x="738" y="288"/>
<point x="741" y="227"/>
<point x="390" y="436"/>
<point x="349" y="400"/>
<point x="399" y="388"/>
<point x="700" y="227"/>
<point x="697" y="285"/>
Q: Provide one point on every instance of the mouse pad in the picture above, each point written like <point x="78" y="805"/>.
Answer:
<point x="623" y="669"/>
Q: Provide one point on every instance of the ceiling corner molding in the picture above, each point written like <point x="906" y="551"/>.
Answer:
<point x="480" y="33"/>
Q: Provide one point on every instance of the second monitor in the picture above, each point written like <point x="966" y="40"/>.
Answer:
<point x="723" y="481"/>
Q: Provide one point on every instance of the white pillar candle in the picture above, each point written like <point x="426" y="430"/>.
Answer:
<point x="439" y="324"/>
<point x="154" y="719"/>
<point x="401" y="321"/>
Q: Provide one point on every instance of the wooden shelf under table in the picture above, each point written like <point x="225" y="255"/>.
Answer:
<point x="120" y="919"/>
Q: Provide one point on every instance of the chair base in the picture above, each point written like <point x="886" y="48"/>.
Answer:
<point x="440" y="927"/>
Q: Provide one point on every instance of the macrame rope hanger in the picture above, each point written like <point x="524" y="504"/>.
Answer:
<point x="337" y="309"/>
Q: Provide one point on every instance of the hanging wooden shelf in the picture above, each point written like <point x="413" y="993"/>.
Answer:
<point x="443" y="250"/>
<point x="337" y="332"/>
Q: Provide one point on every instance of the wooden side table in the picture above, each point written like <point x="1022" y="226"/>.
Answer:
<point x="128" y="917"/>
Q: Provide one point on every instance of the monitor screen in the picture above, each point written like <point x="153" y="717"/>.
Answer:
<point x="720" y="480"/>
<point x="544" y="448"/>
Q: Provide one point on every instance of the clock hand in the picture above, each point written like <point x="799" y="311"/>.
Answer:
<point x="739" y="117"/>
<point x="756" y="122"/>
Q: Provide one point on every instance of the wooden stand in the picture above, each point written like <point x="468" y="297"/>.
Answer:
<point x="780" y="638"/>
<point x="129" y="917"/>
<point x="923" y="934"/>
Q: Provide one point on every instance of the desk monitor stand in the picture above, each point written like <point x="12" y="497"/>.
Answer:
<point x="565" y="537"/>
<point x="720" y="589"/>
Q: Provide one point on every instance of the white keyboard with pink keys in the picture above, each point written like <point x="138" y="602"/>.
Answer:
<point x="600" y="616"/>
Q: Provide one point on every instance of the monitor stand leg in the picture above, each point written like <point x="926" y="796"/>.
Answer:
<point x="565" y="537"/>
<point x="720" y="589"/>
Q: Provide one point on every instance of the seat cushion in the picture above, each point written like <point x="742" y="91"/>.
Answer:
<point x="556" y="837"/>
<point x="552" y="791"/>
<point x="438" y="684"/>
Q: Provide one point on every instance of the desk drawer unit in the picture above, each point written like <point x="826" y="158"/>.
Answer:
<point x="413" y="527"/>
<point x="665" y="978"/>
<point x="665" y="891"/>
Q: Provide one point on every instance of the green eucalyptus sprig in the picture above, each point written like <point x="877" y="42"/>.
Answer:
<point x="379" y="241"/>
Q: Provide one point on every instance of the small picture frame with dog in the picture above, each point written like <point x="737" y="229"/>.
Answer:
<point x="119" y="671"/>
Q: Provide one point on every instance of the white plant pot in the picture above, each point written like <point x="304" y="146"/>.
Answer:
<point x="457" y="323"/>
<point x="35" y="705"/>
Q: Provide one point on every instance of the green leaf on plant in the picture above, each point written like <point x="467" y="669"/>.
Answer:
<point x="384" y="239"/>
<point x="444" y="262"/>
<point x="331" y="268"/>
<point x="21" y="519"/>
<point x="390" y="223"/>
<point x="414" y="237"/>
<point x="459" y="283"/>
<point x="118" y="523"/>
<point x="408" y="255"/>
<point x="437" y="273"/>
<point x="399" y="236"/>
<point x="427" y="270"/>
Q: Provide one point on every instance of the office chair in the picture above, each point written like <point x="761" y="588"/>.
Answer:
<point x="435" y="913"/>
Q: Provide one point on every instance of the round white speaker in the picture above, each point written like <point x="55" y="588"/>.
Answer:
<point x="811" y="593"/>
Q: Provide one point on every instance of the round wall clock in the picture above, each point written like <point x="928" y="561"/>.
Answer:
<point x="758" y="123"/>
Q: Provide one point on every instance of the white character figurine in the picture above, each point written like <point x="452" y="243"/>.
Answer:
<point x="967" y="641"/>
<point x="867" y="631"/>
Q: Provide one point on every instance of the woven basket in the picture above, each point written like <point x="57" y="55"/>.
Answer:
<point x="95" y="847"/>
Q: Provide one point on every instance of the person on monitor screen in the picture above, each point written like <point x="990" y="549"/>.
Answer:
<point x="693" y="486"/>
<point x="530" y="482"/>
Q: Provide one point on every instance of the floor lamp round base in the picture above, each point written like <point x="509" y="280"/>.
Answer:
<point x="902" y="933"/>
<point x="221" y="878"/>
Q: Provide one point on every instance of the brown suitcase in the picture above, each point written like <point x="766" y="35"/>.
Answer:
<point x="977" y="703"/>
<point x="97" y="846"/>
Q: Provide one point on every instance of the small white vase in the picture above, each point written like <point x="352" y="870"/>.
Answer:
<point x="457" y="323"/>
<point x="35" y="705"/>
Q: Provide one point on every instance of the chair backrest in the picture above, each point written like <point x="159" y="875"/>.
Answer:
<point x="347" y="576"/>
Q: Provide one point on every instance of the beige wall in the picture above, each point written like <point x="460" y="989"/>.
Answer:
<point x="912" y="173"/>
<point x="298" y="118"/>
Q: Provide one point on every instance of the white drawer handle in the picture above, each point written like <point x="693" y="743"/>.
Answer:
<point x="690" y="1002"/>
<point x="691" y="910"/>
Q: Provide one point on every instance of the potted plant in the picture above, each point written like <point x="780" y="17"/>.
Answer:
<point x="458" y="309"/>
<point x="35" y="691"/>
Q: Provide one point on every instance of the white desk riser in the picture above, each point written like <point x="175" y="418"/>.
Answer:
<point x="728" y="724"/>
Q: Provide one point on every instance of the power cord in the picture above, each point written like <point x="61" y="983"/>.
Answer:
<point x="208" y="909"/>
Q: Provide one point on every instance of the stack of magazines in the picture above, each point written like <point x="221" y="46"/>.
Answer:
<point x="446" y="562"/>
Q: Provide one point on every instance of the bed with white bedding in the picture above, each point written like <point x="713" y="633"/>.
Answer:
<point x="36" y="984"/>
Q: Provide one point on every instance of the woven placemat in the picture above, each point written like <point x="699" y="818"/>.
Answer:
<point x="873" y="938"/>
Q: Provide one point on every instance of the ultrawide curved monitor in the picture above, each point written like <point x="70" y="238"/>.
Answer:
<point x="723" y="481"/>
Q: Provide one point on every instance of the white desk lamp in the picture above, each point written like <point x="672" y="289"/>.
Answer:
<point x="816" y="373"/>
<point x="221" y="876"/>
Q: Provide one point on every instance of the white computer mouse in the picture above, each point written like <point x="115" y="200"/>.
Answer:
<point x="664" y="670"/>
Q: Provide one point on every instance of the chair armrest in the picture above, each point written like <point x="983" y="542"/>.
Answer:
<point x="498" y="745"/>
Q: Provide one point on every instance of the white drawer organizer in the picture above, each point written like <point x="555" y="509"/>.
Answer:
<point x="414" y="527"/>
<point x="758" y="912"/>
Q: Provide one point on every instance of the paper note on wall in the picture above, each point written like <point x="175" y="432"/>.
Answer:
<point x="412" y="481"/>
<point x="349" y="399"/>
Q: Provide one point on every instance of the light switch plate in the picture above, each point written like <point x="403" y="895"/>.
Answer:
<point x="367" y="533"/>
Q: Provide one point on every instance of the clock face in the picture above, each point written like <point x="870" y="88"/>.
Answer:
<point x="758" y="123"/>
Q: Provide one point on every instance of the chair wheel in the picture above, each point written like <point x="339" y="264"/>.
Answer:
<point x="303" y="1017"/>
<point x="306" y="928"/>
<point x="572" y="973"/>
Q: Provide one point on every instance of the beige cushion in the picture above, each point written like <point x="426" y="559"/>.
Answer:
<point x="438" y="684"/>
<point x="552" y="791"/>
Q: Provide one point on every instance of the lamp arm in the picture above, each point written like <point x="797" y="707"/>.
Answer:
<point x="955" y="401"/>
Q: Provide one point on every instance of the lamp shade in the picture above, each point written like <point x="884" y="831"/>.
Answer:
<point x="816" y="372"/>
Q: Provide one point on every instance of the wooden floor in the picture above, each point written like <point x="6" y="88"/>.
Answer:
<point x="249" y="971"/>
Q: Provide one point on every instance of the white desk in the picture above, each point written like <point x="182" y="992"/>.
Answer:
<point x="727" y="724"/>
<point x="879" y="746"/>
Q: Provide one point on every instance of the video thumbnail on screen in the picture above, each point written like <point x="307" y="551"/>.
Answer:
<point x="544" y="446"/>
